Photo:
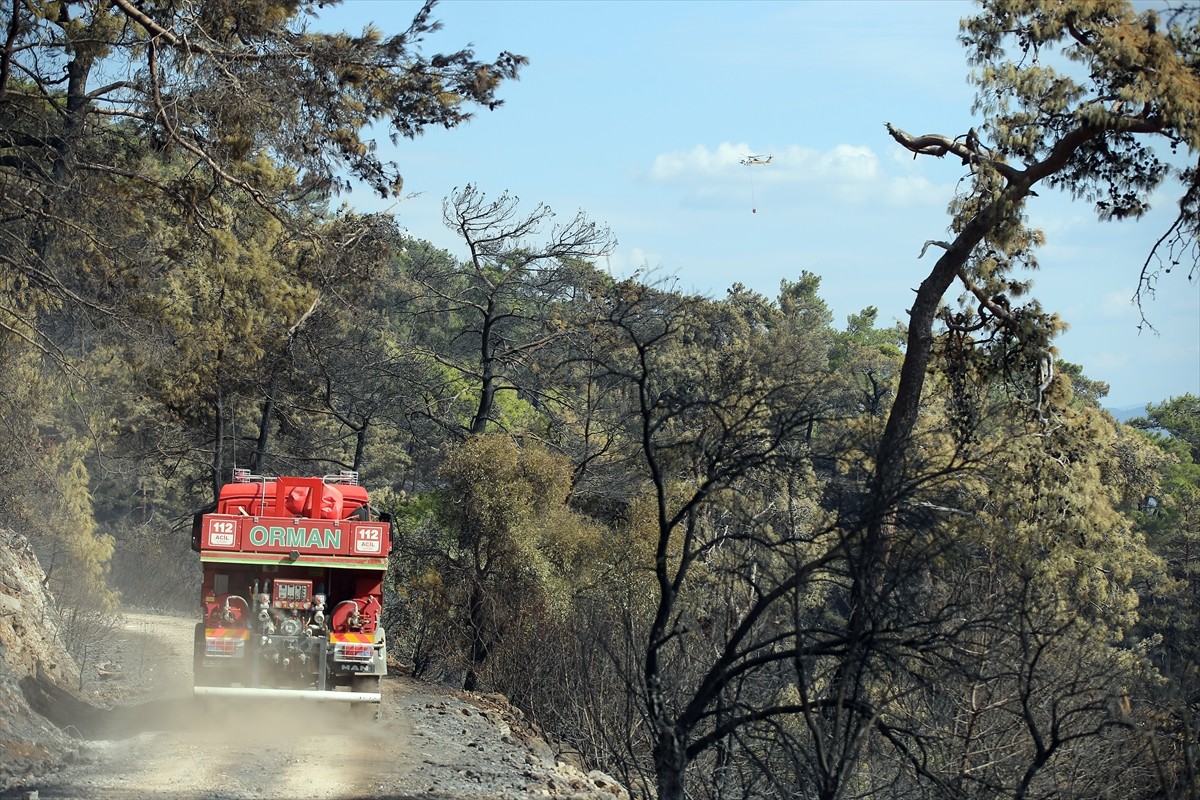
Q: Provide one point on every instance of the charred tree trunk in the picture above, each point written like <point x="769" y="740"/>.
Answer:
<point x="218" y="462"/>
<point x="360" y="444"/>
<point x="480" y="646"/>
<point x="264" y="429"/>
<point x="670" y="763"/>
<point x="487" y="372"/>
<point x="14" y="29"/>
<point x="65" y="146"/>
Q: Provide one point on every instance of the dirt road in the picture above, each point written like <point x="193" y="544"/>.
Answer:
<point x="423" y="741"/>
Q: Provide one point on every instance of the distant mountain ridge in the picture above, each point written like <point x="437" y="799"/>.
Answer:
<point x="1125" y="413"/>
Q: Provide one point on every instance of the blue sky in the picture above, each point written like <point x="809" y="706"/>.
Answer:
<point x="637" y="113"/>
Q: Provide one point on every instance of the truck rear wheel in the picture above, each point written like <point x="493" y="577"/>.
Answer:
<point x="365" y="683"/>
<point x="198" y="672"/>
<point x="202" y="675"/>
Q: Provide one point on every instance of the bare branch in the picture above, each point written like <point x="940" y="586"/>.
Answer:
<point x="937" y="145"/>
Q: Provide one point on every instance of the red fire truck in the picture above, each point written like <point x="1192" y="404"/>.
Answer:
<point x="292" y="590"/>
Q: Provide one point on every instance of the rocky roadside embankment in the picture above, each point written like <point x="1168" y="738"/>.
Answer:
<point x="32" y="665"/>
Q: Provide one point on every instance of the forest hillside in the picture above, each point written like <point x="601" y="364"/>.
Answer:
<point x="716" y="546"/>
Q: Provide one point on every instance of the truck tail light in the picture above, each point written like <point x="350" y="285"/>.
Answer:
<point x="225" y="642"/>
<point x="222" y="647"/>
<point x="345" y="651"/>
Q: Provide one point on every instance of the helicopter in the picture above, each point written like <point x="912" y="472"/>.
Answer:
<point x="755" y="161"/>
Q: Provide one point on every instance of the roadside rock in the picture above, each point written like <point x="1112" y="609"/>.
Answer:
<point x="33" y="665"/>
<point x="481" y="746"/>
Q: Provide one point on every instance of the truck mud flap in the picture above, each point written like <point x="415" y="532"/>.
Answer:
<point x="298" y="694"/>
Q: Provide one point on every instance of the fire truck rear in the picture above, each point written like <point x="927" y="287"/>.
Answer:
<point x="292" y="591"/>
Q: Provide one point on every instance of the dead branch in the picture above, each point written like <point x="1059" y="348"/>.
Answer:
<point x="937" y="145"/>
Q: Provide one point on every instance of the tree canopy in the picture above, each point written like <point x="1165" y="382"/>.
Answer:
<point x="178" y="111"/>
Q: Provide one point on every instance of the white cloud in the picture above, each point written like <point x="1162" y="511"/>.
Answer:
<point x="697" y="161"/>
<point x="851" y="163"/>
<point x="624" y="262"/>
<point x="908" y="190"/>
<point x="640" y="259"/>
<point x="848" y="173"/>
<point x="1107" y="360"/>
<point x="1118" y="305"/>
<point x="900" y="156"/>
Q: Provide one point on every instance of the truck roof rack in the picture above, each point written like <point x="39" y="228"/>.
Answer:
<point x="347" y="476"/>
